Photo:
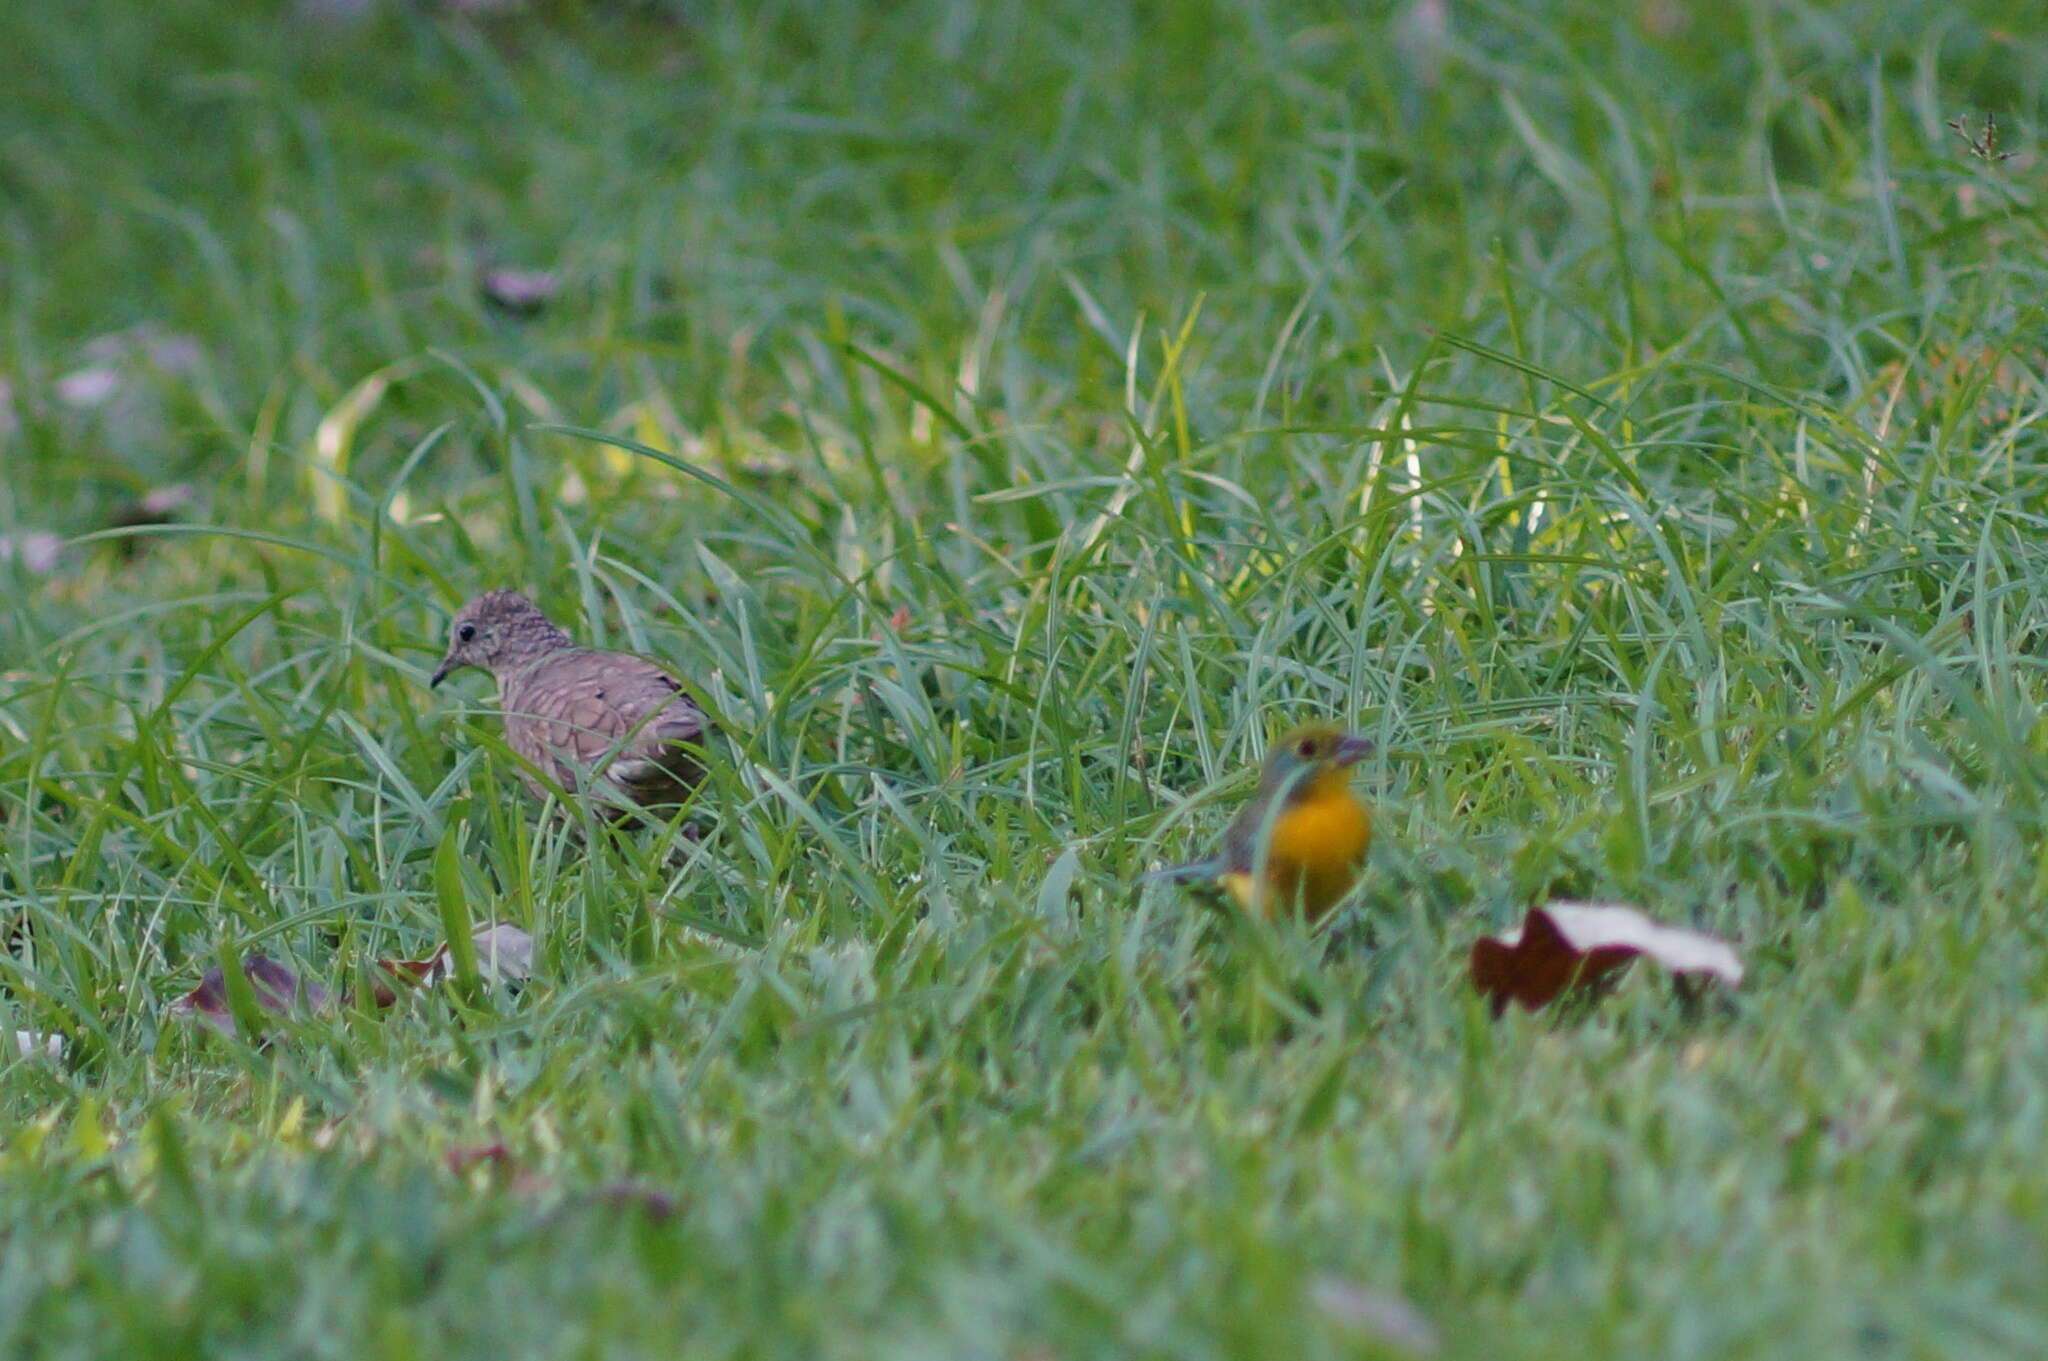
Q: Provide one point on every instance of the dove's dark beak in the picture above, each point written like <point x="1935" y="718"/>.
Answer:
<point x="440" y="674"/>
<point x="1351" y="749"/>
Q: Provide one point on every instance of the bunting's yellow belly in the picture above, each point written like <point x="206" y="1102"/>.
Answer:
<point x="1318" y="844"/>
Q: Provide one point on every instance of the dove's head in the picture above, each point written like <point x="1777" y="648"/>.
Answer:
<point x="499" y="631"/>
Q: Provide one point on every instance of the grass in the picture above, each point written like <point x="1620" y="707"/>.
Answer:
<point x="1007" y="415"/>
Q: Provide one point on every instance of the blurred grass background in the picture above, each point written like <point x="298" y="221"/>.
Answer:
<point x="1006" y="415"/>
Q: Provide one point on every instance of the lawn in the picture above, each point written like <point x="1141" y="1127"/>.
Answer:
<point x="1008" y="416"/>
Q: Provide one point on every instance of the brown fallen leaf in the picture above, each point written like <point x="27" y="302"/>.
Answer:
<point x="504" y="954"/>
<point x="1565" y="946"/>
<point x="408" y="972"/>
<point x="277" y="989"/>
<point x="501" y="1170"/>
<point x="460" y="1160"/>
<point x="505" y="1171"/>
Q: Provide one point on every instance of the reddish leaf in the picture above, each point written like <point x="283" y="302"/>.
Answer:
<point x="1564" y="946"/>
<point x="277" y="989"/>
<point x="657" y="1204"/>
<point x="460" y="1160"/>
<point x="408" y="971"/>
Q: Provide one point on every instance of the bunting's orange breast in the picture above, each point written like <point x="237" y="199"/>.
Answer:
<point x="1318" y="844"/>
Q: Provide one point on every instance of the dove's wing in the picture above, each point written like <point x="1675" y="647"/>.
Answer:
<point x="583" y="715"/>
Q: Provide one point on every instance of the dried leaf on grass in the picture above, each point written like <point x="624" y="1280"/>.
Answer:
<point x="498" y="1165"/>
<point x="504" y="954"/>
<point x="276" y="988"/>
<point x="384" y="991"/>
<point x="1567" y="946"/>
<point x="460" y="1160"/>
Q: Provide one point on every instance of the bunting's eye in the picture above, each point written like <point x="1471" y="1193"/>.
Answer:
<point x="465" y="632"/>
<point x="1307" y="746"/>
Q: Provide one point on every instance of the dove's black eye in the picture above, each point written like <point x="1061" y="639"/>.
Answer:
<point x="465" y="632"/>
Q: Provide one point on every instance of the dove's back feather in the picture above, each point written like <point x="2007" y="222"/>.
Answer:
<point x="606" y="723"/>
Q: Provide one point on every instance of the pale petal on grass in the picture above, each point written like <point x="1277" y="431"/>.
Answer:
<point x="34" y="1045"/>
<point x="34" y="551"/>
<point x="1380" y="1315"/>
<point x="89" y="387"/>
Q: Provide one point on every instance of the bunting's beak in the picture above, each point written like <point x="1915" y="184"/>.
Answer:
<point x="1351" y="749"/>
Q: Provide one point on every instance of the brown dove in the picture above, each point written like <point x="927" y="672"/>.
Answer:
<point x="607" y="724"/>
